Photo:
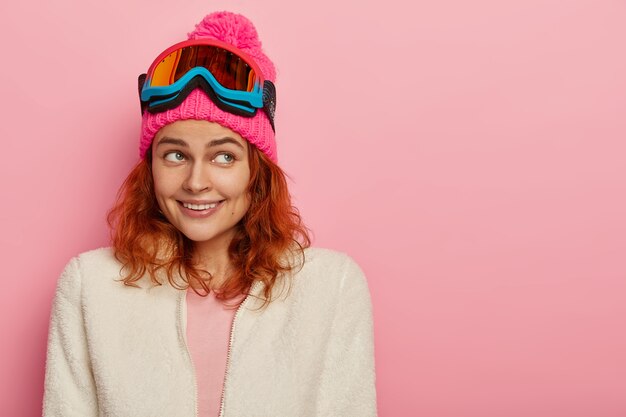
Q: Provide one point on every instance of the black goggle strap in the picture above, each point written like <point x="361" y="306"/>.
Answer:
<point x="141" y="81"/>
<point x="269" y="101"/>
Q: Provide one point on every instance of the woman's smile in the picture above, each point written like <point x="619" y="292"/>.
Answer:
<point x="200" y="210"/>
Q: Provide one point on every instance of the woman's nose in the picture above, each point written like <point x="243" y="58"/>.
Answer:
<point x="198" y="178"/>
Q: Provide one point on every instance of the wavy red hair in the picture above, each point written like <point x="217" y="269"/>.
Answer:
<point x="145" y="242"/>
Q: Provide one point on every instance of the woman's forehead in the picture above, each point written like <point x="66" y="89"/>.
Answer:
<point x="198" y="130"/>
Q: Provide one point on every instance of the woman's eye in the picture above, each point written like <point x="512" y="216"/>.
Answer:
<point x="224" y="158"/>
<point x="174" y="156"/>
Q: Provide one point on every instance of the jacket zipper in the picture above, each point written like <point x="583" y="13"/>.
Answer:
<point x="184" y="338"/>
<point x="230" y="344"/>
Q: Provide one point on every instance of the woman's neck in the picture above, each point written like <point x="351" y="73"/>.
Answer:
<point x="212" y="256"/>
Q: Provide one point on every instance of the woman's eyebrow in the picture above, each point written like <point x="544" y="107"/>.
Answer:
<point x="227" y="139"/>
<point x="173" y="141"/>
<point x="214" y="142"/>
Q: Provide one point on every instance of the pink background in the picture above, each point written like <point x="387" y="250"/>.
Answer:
<point x="469" y="155"/>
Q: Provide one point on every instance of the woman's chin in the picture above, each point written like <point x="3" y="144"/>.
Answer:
<point x="208" y="237"/>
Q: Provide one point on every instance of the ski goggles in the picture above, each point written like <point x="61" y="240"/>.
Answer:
<point x="230" y="78"/>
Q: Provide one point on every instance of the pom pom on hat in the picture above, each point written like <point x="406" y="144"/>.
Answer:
<point x="237" y="30"/>
<point x="228" y="27"/>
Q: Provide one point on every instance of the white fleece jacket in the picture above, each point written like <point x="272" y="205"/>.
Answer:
<point x="118" y="351"/>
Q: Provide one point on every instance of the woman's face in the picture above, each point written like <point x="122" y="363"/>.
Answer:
<point x="201" y="173"/>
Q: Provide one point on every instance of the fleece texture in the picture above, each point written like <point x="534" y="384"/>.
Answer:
<point x="116" y="351"/>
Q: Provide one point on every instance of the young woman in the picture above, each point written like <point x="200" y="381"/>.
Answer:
<point x="210" y="301"/>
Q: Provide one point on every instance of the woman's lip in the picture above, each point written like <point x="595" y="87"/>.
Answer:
<point x="199" y="213"/>
<point x="198" y="202"/>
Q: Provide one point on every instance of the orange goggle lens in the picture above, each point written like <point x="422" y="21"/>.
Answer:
<point x="230" y="70"/>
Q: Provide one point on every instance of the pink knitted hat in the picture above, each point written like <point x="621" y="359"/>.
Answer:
<point x="238" y="31"/>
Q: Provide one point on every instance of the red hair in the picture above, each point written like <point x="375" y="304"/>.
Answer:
<point x="145" y="241"/>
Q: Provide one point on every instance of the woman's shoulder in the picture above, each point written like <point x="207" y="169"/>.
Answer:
<point x="329" y="258"/>
<point x="328" y="268"/>
<point x="99" y="261"/>
<point x="327" y="278"/>
<point x="103" y="256"/>
<point x="96" y="267"/>
<point x="78" y="273"/>
<point x="98" y="275"/>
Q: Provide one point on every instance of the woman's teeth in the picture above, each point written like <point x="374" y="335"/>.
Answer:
<point x="200" y="206"/>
